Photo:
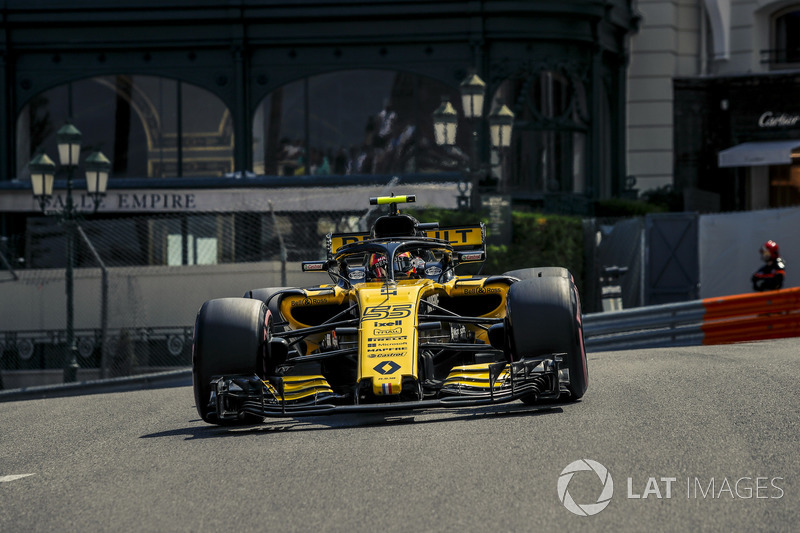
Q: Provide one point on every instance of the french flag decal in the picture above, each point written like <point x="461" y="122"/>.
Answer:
<point x="387" y="388"/>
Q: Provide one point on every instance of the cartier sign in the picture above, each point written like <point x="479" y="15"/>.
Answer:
<point x="768" y="119"/>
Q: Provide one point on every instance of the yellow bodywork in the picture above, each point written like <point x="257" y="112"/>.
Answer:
<point x="464" y="237"/>
<point x="300" y="387"/>
<point x="473" y="377"/>
<point x="388" y="335"/>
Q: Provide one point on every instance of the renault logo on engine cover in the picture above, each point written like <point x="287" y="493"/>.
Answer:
<point x="386" y="367"/>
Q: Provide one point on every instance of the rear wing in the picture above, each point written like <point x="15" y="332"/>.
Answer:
<point x="469" y="237"/>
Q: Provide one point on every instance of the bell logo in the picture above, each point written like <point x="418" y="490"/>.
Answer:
<point x="585" y="509"/>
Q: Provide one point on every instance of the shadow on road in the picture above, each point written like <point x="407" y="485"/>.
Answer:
<point x="341" y="421"/>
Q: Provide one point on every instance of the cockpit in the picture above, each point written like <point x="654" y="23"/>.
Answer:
<point x="396" y="261"/>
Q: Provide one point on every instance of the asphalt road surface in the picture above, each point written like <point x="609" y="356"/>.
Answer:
<point x="692" y="438"/>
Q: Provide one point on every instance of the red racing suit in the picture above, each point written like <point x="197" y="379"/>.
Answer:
<point x="770" y="276"/>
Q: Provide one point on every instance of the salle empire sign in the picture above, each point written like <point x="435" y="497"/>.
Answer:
<point x="145" y="201"/>
<point x="128" y="201"/>
<point x="251" y="199"/>
<point x="150" y="201"/>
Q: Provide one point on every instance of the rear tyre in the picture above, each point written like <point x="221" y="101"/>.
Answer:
<point x="538" y="272"/>
<point x="229" y="338"/>
<point x="544" y="317"/>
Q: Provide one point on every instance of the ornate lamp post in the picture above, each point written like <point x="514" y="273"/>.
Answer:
<point x="445" y="123"/>
<point x="42" y="176"/>
<point x="97" y="166"/>
<point x="42" y="171"/>
<point x="501" y="120"/>
<point x="472" y="91"/>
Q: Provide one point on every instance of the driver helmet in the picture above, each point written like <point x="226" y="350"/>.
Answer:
<point x="376" y="266"/>
<point x="409" y="264"/>
<point x="769" y="251"/>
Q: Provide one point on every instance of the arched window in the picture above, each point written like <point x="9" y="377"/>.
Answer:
<point x="353" y="122"/>
<point x="147" y="126"/>
<point x="548" y="147"/>
<point x="786" y="37"/>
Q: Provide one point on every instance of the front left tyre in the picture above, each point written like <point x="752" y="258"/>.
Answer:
<point x="230" y="338"/>
<point x="544" y="317"/>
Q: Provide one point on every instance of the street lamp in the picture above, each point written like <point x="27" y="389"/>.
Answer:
<point x="472" y="90"/>
<point x="97" y="166"/>
<point x="42" y="175"/>
<point x="445" y="123"/>
<point x="42" y="171"/>
<point x="501" y="121"/>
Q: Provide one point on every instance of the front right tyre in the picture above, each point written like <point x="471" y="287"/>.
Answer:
<point x="273" y="302"/>
<point x="230" y="338"/>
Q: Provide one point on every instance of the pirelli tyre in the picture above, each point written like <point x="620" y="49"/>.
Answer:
<point x="229" y="339"/>
<point x="544" y="317"/>
<point x="537" y="272"/>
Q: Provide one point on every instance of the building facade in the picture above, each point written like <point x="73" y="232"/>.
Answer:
<point x="186" y="97"/>
<point x="711" y="107"/>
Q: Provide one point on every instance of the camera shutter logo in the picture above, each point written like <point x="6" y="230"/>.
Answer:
<point x="585" y="509"/>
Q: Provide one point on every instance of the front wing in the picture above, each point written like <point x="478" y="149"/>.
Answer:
<point x="467" y="385"/>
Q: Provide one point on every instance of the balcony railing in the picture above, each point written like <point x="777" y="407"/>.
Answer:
<point x="781" y="58"/>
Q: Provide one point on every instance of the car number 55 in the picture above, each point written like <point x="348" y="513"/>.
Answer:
<point x="378" y="312"/>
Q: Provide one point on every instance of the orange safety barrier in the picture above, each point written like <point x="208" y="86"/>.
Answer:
<point x="749" y="317"/>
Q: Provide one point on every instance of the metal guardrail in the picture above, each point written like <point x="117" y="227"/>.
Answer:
<point x="727" y="319"/>
<point x="171" y="378"/>
<point x="175" y="336"/>
<point x="156" y="346"/>
<point x="746" y="317"/>
<point x="678" y="324"/>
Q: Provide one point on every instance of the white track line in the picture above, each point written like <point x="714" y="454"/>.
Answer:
<point x="14" y="477"/>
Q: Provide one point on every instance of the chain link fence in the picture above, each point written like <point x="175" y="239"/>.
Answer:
<point x="139" y="280"/>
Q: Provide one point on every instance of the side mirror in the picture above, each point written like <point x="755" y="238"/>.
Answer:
<point x="277" y="351"/>
<point x="473" y="256"/>
<point x="497" y="337"/>
<point x="317" y="266"/>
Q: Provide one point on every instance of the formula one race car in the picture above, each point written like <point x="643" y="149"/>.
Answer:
<point x="397" y="329"/>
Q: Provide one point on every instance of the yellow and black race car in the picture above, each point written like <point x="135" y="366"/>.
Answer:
<point x="397" y="329"/>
